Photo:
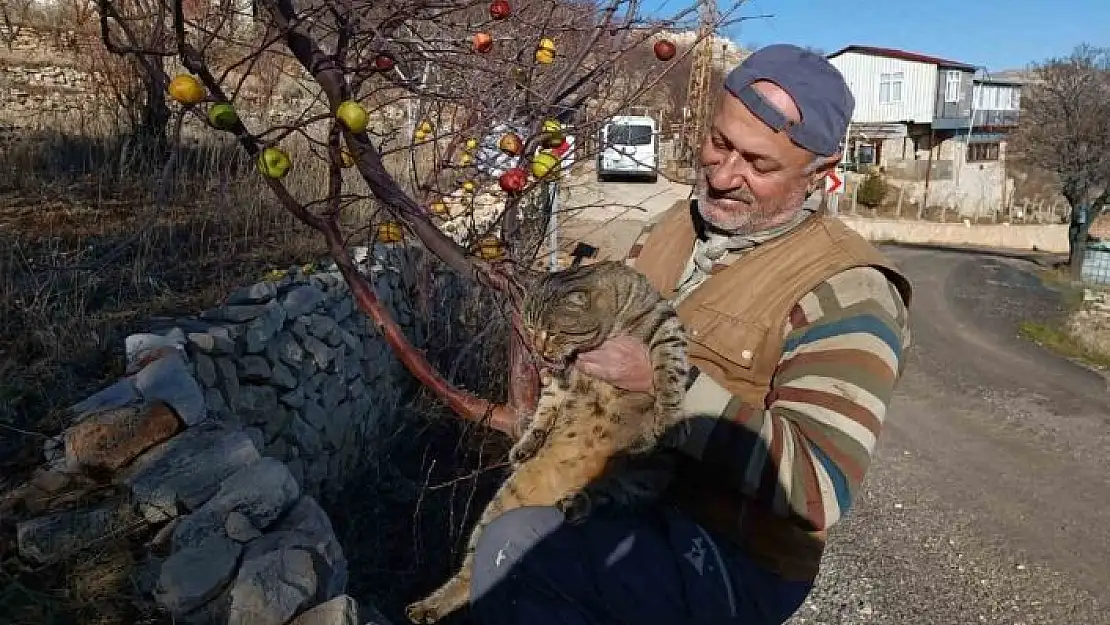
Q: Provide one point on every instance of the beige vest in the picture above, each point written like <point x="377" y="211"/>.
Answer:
<point x="735" y="321"/>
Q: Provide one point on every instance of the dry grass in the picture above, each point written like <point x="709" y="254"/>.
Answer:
<point x="87" y="255"/>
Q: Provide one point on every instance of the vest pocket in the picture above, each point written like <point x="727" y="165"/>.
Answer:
<point x="735" y="342"/>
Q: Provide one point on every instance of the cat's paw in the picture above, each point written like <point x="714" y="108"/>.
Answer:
<point x="527" y="446"/>
<point x="576" y="507"/>
<point x="423" y="612"/>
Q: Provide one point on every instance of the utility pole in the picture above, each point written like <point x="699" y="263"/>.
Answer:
<point x="698" y="91"/>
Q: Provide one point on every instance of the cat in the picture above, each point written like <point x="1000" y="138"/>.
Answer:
<point x="586" y="445"/>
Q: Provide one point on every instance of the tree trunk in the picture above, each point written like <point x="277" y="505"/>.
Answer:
<point x="1078" y="227"/>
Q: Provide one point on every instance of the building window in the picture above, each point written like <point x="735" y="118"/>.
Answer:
<point x="980" y="152"/>
<point x="952" y="86"/>
<point x="890" y="87"/>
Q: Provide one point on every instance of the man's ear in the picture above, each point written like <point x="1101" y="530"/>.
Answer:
<point x="821" y="169"/>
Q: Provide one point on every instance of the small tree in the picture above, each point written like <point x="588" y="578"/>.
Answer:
<point x="872" y="190"/>
<point x="1065" y="129"/>
<point x="466" y="73"/>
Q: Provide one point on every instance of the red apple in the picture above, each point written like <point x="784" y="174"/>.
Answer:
<point x="514" y="180"/>
<point x="664" y="50"/>
<point x="483" y="42"/>
<point x="511" y="144"/>
<point x="384" y="62"/>
<point x="499" y="9"/>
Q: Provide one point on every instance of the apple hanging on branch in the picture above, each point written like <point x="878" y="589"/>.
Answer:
<point x="274" y="163"/>
<point x="500" y="9"/>
<point x="513" y="180"/>
<point x="664" y="50"/>
<point x="511" y="144"/>
<point x="384" y="62"/>
<point x="186" y="90"/>
<point x="353" y="116"/>
<point x="483" y="42"/>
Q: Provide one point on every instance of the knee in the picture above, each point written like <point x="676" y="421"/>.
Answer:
<point x="506" y="540"/>
<point x="518" y="530"/>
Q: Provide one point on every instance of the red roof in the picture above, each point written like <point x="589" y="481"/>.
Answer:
<point x="904" y="55"/>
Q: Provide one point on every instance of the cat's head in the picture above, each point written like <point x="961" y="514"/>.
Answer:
<point x="571" y="311"/>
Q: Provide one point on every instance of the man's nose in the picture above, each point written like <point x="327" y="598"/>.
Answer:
<point x="727" y="174"/>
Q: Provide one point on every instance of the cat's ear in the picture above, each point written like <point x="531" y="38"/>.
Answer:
<point x="578" y="299"/>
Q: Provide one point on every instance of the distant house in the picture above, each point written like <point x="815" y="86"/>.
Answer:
<point x="932" y="124"/>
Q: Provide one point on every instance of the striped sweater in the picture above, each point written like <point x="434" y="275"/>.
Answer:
<point x="844" y="349"/>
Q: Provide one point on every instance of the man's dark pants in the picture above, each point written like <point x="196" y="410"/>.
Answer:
<point x="532" y="568"/>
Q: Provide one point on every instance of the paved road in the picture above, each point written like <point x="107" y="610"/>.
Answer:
<point x="990" y="498"/>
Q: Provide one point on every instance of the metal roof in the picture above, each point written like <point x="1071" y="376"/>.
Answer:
<point x="894" y="53"/>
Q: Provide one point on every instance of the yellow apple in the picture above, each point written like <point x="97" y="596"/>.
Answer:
<point x="545" y="57"/>
<point x="471" y="144"/>
<point x="353" y="116"/>
<point x="186" y="89"/>
<point x="426" y="127"/>
<point x="547" y="44"/>
<point x="544" y="164"/>
<point x="274" y="163"/>
<point x="466" y="160"/>
<point x="468" y="187"/>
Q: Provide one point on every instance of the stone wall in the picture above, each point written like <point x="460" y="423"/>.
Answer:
<point x="224" y="433"/>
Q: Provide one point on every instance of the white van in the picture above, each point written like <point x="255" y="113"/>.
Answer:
<point x="629" y="147"/>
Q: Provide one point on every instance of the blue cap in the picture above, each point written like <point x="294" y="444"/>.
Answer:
<point x="818" y="88"/>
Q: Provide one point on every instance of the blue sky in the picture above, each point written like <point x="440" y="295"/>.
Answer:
<point x="998" y="34"/>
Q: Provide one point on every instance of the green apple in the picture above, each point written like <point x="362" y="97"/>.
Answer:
<point x="353" y="116"/>
<point x="223" y="116"/>
<point x="274" y="163"/>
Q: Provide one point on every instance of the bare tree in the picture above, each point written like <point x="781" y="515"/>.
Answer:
<point x="470" y="72"/>
<point x="1065" y="129"/>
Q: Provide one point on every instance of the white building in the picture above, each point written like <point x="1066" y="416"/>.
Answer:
<point x="934" y="126"/>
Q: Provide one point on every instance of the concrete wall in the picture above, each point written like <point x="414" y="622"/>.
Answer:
<point x="1048" y="238"/>
<point x="222" y="435"/>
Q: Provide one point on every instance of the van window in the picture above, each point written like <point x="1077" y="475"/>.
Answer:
<point x="629" y="134"/>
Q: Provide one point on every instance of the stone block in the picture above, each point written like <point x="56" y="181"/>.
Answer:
<point x="111" y="439"/>
<point x="272" y="587"/>
<point x="50" y="538"/>
<point x="342" y="610"/>
<point x="187" y="470"/>
<point x="258" y="293"/>
<point x="167" y="380"/>
<point x="302" y="300"/>
<point x="192" y="577"/>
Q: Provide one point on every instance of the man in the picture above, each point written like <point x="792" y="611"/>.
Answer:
<point x="798" y="330"/>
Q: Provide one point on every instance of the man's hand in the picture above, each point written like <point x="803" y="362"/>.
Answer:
<point x="622" y="361"/>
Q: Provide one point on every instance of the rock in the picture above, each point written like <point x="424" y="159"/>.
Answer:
<point x="54" y="452"/>
<point x="289" y="350"/>
<point x="277" y="423"/>
<point x="111" y="439"/>
<point x="313" y="530"/>
<point x="257" y="437"/>
<point x="342" y="610"/>
<point x="343" y="310"/>
<point x="282" y="376"/>
<point x="53" y="537"/>
<point x="239" y="528"/>
<point x="260" y="492"/>
<point x="320" y="351"/>
<point x="302" y="300"/>
<point x="122" y="393"/>
<point x="294" y="398"/>
<point x="256" y="404"/>
<point x="296" y="467"/>
<point x="321" y="326"/>
<point x="306" y="437"/>
<point x="217" y="406"/>
<point x="258" y="293"/>
<point x="300" y="327"/>
<point x="261" y="330"/>
<point x="351" y="341"/>
<point x="272" y="587"/>
<point x="235" y="314"/>
<point x="216" y="340"/>
<point x="336" y="426"/>
<point x="206" y="370"/>
<point x="136" y="346"/>
<point x="192" y="577"/>
<point x="167" y="380"/>
<point x="254" y="369"/>
<point x="187" y="469"/>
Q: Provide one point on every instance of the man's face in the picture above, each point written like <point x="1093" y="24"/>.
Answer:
<point x="752" y="178"/>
